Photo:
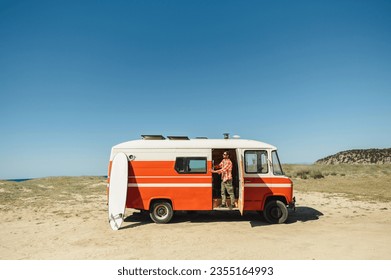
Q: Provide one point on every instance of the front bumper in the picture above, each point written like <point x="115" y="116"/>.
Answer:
<point x="292" y="205"/>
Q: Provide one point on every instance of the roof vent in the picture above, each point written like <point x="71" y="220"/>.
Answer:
<point x="178" y="137"/>
<point x="226" y="135"/>
<point x="153" y="137"/>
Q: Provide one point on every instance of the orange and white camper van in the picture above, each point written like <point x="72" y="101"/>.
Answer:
<point x="174" y="174"/>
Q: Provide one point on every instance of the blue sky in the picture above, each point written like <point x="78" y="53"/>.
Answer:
<point x="77" y="77"/>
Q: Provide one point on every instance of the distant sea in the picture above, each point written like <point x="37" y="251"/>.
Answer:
<point x="17" y="180"/>
<point x="27" y="179"/>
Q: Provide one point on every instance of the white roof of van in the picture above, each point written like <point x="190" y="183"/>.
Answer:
<point x="194" y="144"/>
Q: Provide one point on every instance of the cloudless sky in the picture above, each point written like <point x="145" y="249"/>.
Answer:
<point x="77" y="77"/>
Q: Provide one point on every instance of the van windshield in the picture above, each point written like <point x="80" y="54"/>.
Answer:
<point x="277" y="169"/>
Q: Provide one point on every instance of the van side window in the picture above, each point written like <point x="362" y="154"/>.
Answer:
<point x="277" y="169"/>
<point x="185" y="165"/>
<point x="256" y="162"/>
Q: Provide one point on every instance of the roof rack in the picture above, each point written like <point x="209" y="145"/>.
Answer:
<point x="178" y="137"/>
<point x="153" y="137"/>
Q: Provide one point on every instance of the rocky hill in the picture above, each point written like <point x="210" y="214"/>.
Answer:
<point x="366" y="156"/>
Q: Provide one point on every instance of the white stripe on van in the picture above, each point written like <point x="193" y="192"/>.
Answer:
<point x="269" y="185"/>
<point x="183" y="185"/>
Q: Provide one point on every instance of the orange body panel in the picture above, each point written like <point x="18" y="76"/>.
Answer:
<point x="255" y="197"/>
<point x="149" y="180"/>
<point x="152" y="168"/>
<point x="182" y="198"/>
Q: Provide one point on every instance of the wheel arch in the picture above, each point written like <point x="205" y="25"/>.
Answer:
<point x="271" y="197"/>
<point x="163" y="199"/>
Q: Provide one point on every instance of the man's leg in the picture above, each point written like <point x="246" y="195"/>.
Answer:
<point x="230" y="190"/>
<point x="223" y="197"/>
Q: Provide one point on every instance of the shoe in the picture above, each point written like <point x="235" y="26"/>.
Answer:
<point x="223" y="206"/>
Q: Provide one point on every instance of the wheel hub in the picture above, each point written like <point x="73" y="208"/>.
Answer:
<point x="161" y="212"/>
<point x="276" y="212"/>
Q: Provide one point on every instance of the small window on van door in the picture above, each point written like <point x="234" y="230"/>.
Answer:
<point x="256" y="162"/>
<point x="190" y="165"/>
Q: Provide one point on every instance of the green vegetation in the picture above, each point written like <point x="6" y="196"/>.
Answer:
<point x="39" y="193"/>
<point x="365" y="182"/>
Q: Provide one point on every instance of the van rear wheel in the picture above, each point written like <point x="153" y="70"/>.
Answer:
<point x="161" y="212"/>
<point x="275" y="212"/>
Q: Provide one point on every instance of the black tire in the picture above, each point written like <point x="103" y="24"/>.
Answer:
<point x="275" y="212"/>
<point x="161" y="212"/>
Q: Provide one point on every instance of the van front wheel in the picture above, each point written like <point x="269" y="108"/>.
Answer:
<point x="275" y="212"/>
<point x="161" y="212"/>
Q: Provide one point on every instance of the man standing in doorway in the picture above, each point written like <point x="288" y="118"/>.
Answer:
<point x="226" y="180"/>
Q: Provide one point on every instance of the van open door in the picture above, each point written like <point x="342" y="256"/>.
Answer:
<point x="241" y="182"/>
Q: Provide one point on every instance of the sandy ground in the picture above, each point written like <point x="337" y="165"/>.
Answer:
<point x="323" y="227"/>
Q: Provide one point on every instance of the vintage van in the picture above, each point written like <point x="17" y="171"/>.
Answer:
<point x="168" y="174"/>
